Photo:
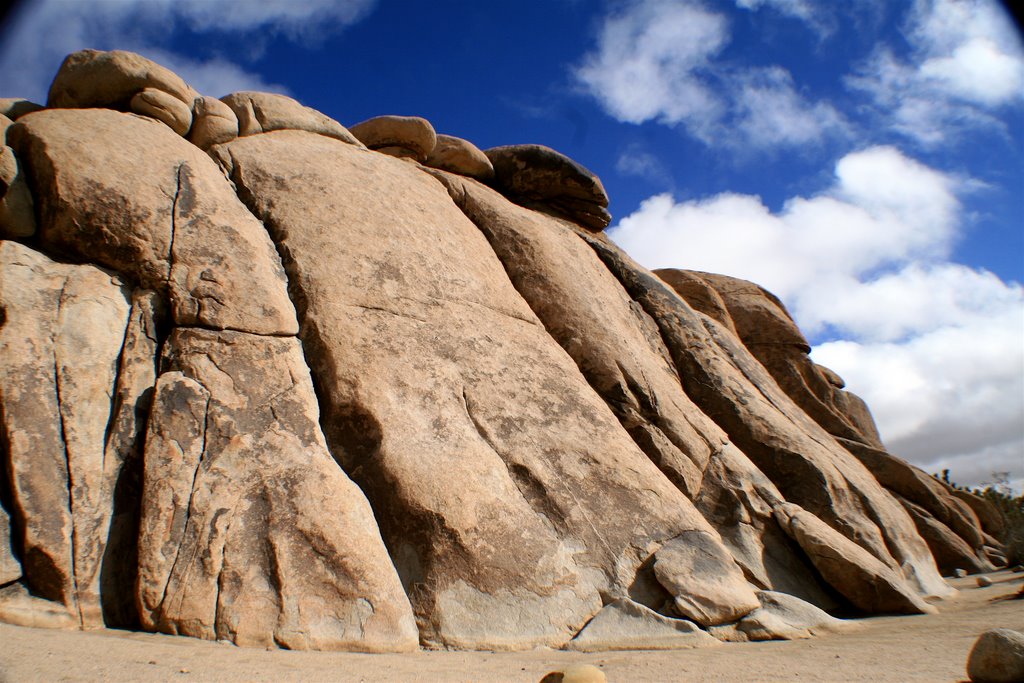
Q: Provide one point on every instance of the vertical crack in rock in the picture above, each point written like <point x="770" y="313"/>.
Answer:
<point x="61" y="408"/>
<point x="174" y="222"/>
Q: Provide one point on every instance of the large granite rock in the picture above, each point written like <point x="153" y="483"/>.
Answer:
<point x="445" y="368"/>
<point x="249" y="530"/>
<point x="325" y="398"/>
<point x="63" y="328"/>
<point x="997" y="657"/>
<point x="94" y="78"/>
<point x="129" y="194"/>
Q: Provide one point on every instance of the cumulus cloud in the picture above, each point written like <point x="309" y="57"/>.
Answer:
<point x="41" y="33"/>
<point x="658" y="60"/>
<point x="935" y="347"/>
<point x="965" y="62"/>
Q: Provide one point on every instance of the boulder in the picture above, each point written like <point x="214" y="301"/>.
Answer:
<point x="17" y="213"/>
<point x="707" y="584"/>
<point x="991" y="519"/>
<point x="626" y="625"/>
<point x="5" y="123"/>
<point x="412" y="134"/>
<point x="94" y="78"/>
<point x="263" y="112"/>
<point x="576" y="673"/>
<point x="60" y="343"/>
<point x="250" y="532"/>
<point x="445" y="368"/>
<point x="128" y="193"/>
<point x="997" y="657"/>
<point x="983" y="582"/>
<point x="784" y="617"/>
<point x="867" y="582"/>
<point x="541" y="178"/>
<point x="163" y="107"/>
<point x="15" y="107"/>
<point x="213" y="123"/>
<point x="460" y="156"/>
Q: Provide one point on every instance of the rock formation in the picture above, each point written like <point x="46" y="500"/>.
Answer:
<point x="268" y="380"/>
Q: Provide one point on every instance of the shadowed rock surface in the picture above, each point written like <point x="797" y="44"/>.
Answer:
<point x="263" y="383"/>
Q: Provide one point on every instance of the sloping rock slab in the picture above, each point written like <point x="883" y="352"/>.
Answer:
<point x="707" y="584"/>
<point x="784" y="617"/>
<point x="126" y="192"/>
<point x="250" y="532"/>
<point x="868" y="583"/>
<point x="626" y="625"/>
<point x="806" y="463"/>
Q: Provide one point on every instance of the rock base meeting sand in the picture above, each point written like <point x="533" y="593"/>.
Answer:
<point x="931" y="647"/>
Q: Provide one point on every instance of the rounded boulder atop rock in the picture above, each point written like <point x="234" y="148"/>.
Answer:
<point x="997" y="657"/>
<point x="539" y="177"/>
<point x="397" y="133"/>
<point x="94" y="78"/>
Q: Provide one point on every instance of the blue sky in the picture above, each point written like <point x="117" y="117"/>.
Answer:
<point x="864" y="159"/>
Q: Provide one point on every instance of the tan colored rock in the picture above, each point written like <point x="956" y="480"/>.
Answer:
<point x="784" y="617"/>
<point x="18" y="606"/>
<point x="620" y="352"/>
<point x="213" y="123"/>
<point x="991" y="519"/>
<point x="867" y="582"/>
<point x="456" y="155"/>
<point x="576" y="673"/>
<point x="696" y="291"/>
<point x="128" y="193"/>
<point x="16" y="107"/>
<point x="17" y="214"/>
<point x="407" y="132"/>
<point x="250" y="532"/>
<point x="94" y="78"/>
<point x="59" y="348"/>
<point x="133" y="395"/>
<point x="808" y="466"/>
<point x="163" y="107"/>
<point x="997" y="657"/>
<point x="10" y="567"/>
<point x="626" y="625"/>
<point x="5" y="123"/>
<point x="445" y="368"/>
<point x="541" y="178"/>
<point x="950" y="551"/>
<point x="707" y="584"/>
<point x="263" y="112"/>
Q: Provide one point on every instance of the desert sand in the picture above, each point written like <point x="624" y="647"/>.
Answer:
<point x="915" y="648"/>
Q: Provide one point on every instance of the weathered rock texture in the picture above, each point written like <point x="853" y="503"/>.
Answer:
<point x="265" y="383"/>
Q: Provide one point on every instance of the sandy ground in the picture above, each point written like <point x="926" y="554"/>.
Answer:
<point x="918" y="648"/>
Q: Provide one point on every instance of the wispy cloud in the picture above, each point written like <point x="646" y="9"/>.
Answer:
<point x="936" y="347"/>
<point x="41" y="33"/>
<point x="660" y="60"/>
<point x="965" y="64"/>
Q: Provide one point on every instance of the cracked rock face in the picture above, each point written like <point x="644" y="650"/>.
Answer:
<point x="293" y="391"/>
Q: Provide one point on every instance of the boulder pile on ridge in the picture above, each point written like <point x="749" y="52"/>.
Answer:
<point x="272" y="380"/>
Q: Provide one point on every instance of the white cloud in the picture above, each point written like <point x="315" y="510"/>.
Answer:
<point x="936" y="348"/>
<point x="648" y="62"/>
<point x="657" y="61"/>
<point x="636" y="161"/>
<point x="965" y="63"/>
<point x="41" y="33"/>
